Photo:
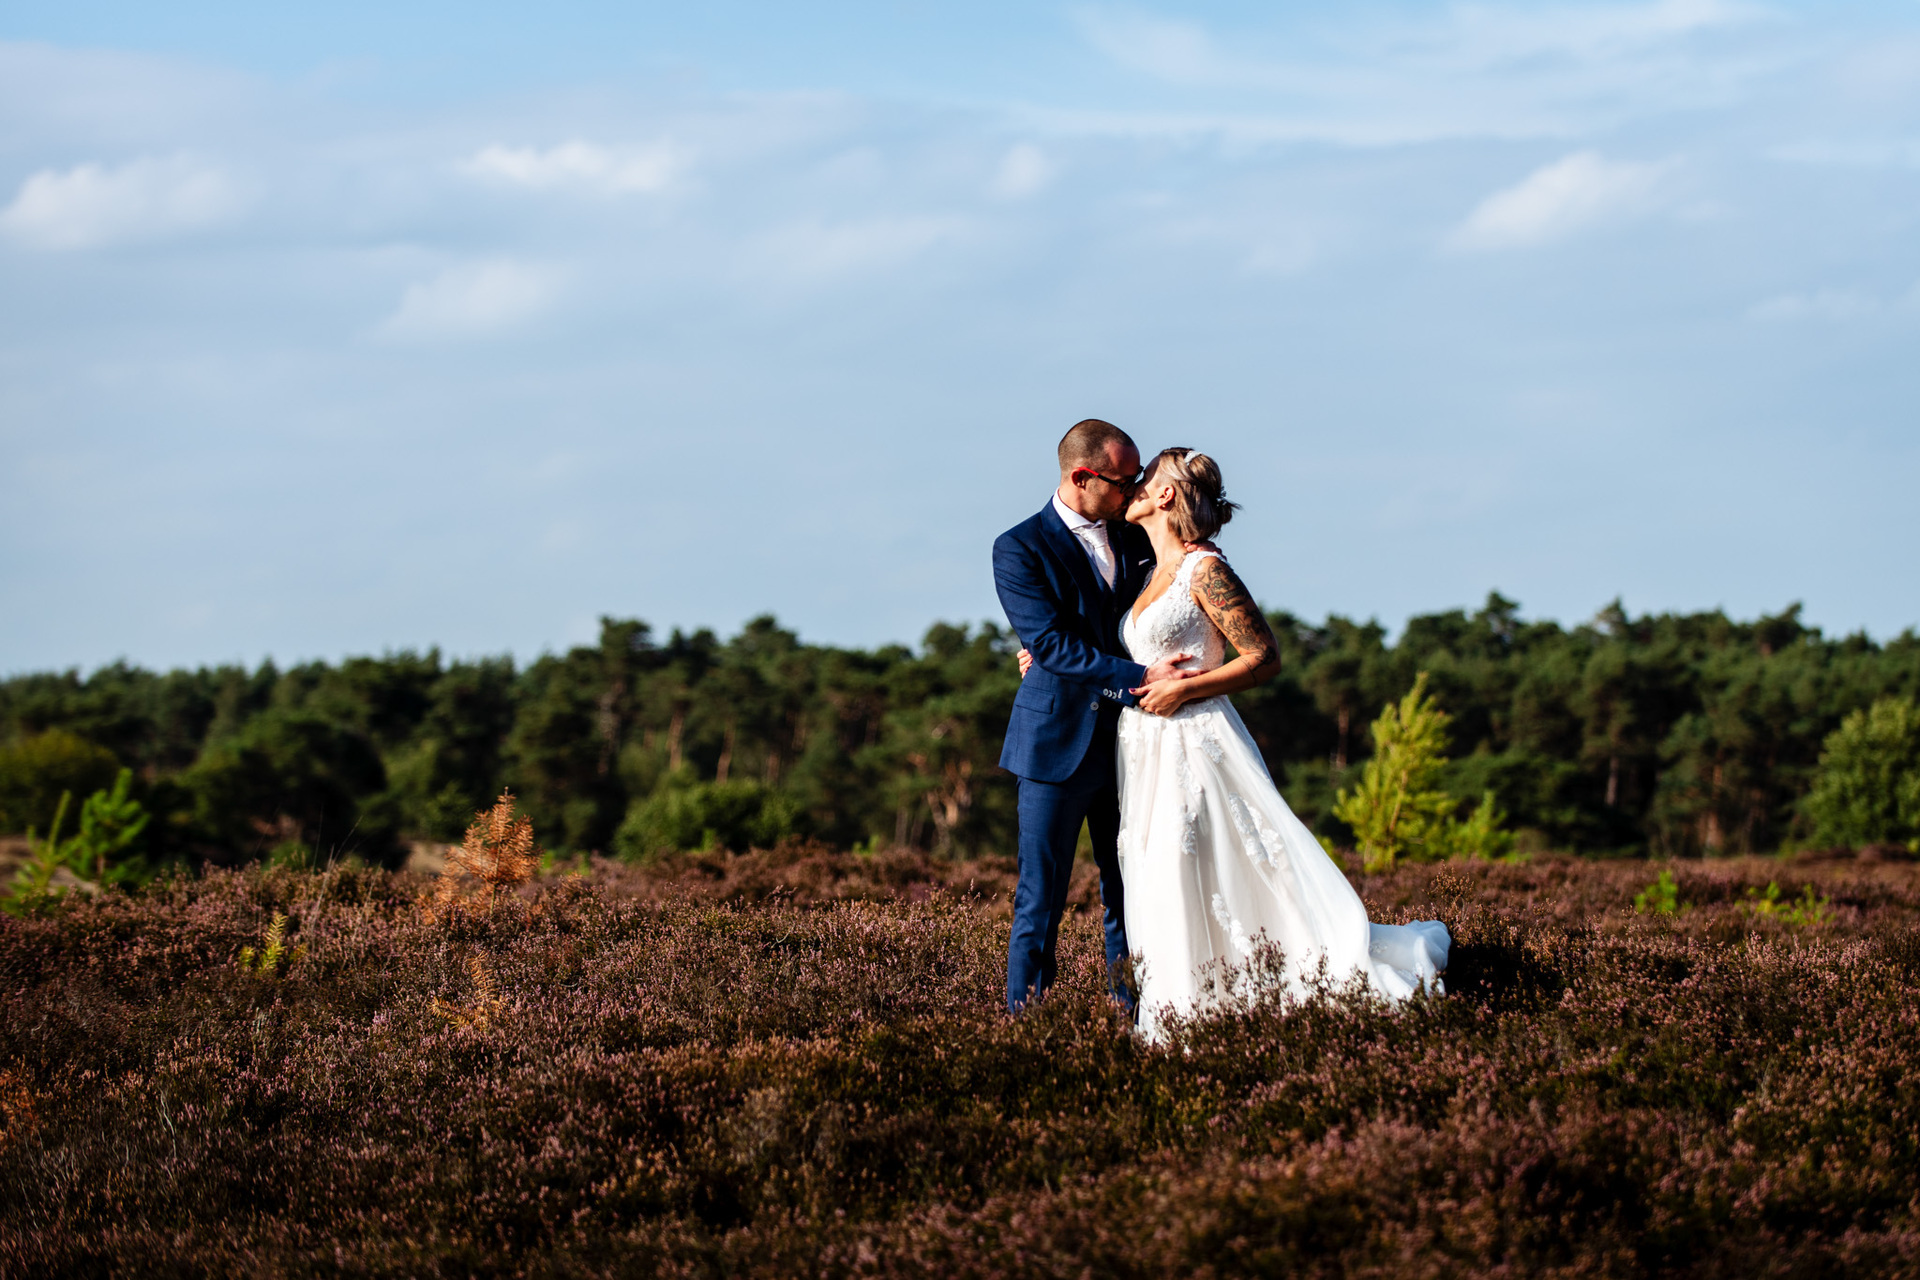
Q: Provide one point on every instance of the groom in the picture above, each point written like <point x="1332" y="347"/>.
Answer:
<point x="1066" y="579"/>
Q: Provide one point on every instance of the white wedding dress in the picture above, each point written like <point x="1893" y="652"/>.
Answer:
<point x="1213" y="860"/>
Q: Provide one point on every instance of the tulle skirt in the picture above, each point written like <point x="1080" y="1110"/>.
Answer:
<point x="1219" y="873"/>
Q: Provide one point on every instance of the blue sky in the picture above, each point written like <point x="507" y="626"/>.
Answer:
<point x="392" y="326"/>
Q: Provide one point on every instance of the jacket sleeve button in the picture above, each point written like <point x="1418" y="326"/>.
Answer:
<point x="1094" y="705"/>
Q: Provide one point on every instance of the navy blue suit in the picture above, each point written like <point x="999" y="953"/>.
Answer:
<point x="1060" y="739"/>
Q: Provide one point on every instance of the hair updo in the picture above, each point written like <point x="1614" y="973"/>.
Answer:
<point x="1200" y="503"/>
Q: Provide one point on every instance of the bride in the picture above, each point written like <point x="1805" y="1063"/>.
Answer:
<point x="1213" y="860"/>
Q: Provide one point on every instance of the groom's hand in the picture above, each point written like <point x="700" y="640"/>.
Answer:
<point x="1167" y="669"/>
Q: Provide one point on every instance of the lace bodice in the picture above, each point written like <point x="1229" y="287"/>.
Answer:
<point x="1175" y="624"/>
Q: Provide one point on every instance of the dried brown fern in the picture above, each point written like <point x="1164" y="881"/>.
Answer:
<point x="477" y="1012"/>
<point x="498" y="851"/>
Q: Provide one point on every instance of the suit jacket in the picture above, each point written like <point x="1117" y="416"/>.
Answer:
<point x="1070" y="621"/>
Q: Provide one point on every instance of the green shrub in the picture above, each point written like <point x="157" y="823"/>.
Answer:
<point x="684" y="815"/>
<point x="34" y="771"/>
<point x="1868" y="788"/>
<point x="1399" y="809"/>
<point x="1661" y="898"/>
<point x="1808" y="908"/>
<point x="111" y="824"/>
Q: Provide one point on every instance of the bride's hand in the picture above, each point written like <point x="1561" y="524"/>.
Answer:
<point x="1026" y="663"/>
<point x="1164" y="697"/>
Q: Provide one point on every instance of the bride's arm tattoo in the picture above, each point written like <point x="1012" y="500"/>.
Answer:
<point x="1234" y="612"/>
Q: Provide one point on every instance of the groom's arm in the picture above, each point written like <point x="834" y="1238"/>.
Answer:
<point x="1043" y="626"/>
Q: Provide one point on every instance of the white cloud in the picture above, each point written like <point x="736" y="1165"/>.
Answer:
<point x="473" y="299"/>
<point x="1498" y="33"/>
<point x="581" y="164"/>
<point x="91" y="204"/>
<point x="1375" y="78"/>
<point x="1023" y="171"/>
<point x="1572" y="194"/>
<point x="1179" y="52"/>
<point x="815" y="249"/>
<point x="1831" y="305"/>
<point x="1467" y="38"/>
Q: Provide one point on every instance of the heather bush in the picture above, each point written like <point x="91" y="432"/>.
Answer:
<point x="795" y="1063"/>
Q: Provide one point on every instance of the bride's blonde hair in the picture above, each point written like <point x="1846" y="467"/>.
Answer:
<point x="1200" y="503"/>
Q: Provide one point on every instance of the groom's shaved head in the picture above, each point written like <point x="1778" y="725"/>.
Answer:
<point x="1090" y="444"/>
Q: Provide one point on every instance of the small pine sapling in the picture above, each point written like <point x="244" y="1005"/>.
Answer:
<point x="1661" y="898"/>
<point x="498" y="851"/>
<point x="477" y="1013"/>
<point x="1482" y="834"/>
<point x="1807" y="909"/>
<point x="273" y="956"/>
<point x="1398" y="807"/>
<point x="110" y="822"/>
<point x="33" y="885"/>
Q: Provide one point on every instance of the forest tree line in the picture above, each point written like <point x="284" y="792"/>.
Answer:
<point x="1669" y="734"/>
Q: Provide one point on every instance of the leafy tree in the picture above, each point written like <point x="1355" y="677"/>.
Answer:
<point x="1868" y="787"/>
<point x="37" y="771"/>
<point x="1672" y="733"/>
<point x="291" y="777"/>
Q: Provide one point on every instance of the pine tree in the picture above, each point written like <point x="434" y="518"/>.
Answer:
<point x="1398" y="809"/>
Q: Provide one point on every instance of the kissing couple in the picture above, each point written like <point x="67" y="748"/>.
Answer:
<point x="1125" y="607"/>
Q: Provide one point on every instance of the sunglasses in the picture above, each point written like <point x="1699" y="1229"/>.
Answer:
<point x="1126" y="482"/>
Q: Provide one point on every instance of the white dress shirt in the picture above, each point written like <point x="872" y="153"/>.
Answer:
<point x="1092" y="537"/>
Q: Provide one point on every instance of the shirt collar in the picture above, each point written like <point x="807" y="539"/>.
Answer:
<point x="1074" y="520"/>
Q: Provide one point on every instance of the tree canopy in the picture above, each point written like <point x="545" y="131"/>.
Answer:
<point x="1673" y="733"/>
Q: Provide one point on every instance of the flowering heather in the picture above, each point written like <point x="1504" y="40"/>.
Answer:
<point x="796" y="1063"/>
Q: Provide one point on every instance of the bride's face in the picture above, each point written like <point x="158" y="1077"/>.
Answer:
<point x="1151" y="497"/>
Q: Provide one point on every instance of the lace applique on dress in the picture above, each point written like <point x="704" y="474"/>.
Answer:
<point x="1175" y="623"/>
<point x="1213" y="860"/>
<point x="1259" y="837"/>
<point x="1236" y="936"/>
<point x="1190" y="832"/>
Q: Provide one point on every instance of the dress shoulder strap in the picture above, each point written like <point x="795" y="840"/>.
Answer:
<point x="1192" y="561"/>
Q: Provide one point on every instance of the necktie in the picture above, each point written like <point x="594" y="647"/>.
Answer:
<point x="1095" y="536"/>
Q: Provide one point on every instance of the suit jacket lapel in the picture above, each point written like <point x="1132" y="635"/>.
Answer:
<point x="1068" y="548"/>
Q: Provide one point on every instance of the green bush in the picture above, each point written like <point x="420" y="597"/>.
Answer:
<point x="35" y="771"/>
<point x="1867" y="790"/>
<point x="683" y="815"/>
<point x="1399" y="810"/>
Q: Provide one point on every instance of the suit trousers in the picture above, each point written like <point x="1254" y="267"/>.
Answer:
<point x="1050" y="818"/>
